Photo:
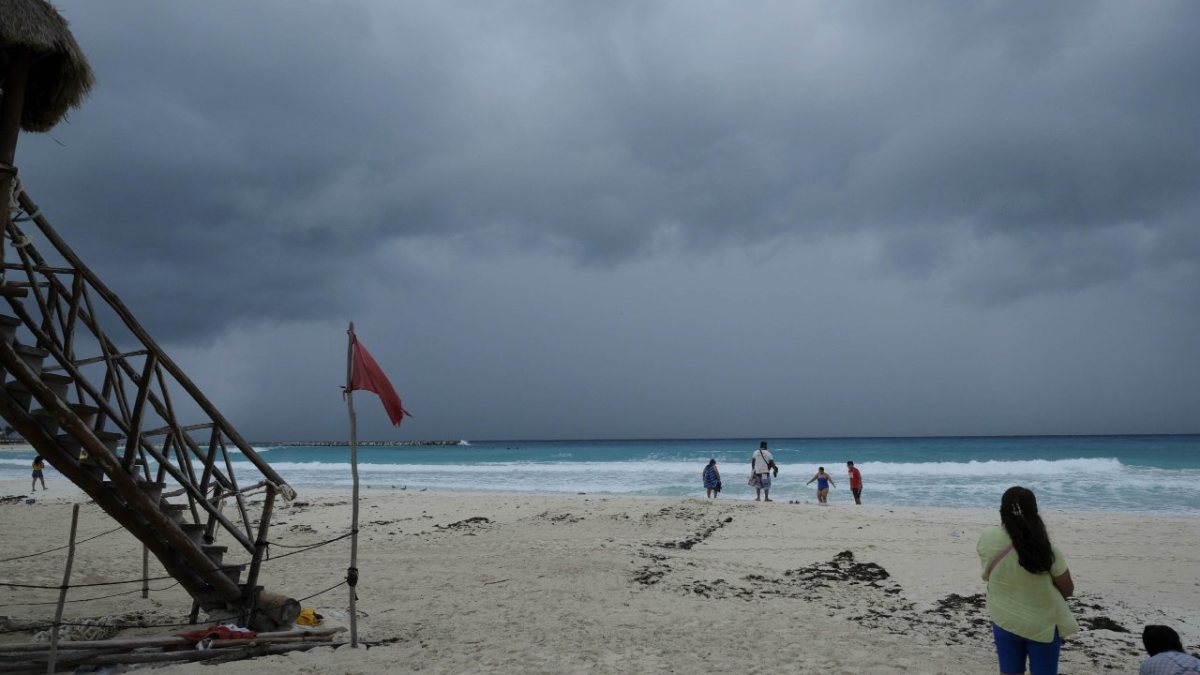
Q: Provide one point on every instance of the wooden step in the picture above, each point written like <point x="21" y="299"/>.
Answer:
<point x="214" y="552"/>
<point x="32" y="356"/>
<point x="176" y="512"/>
<point x="57" y="383"/>
<point x="152" y="490"/>
<point x="13" y="291"/>
<point x="234" y="572"/>
<point x="85" y="412"/>
<point x="20" y="394"/>
<point x="195" y="531"/>
<point x="47" y="420"/>
<point x="8" y="328"/>
<point x="91" y="467"/>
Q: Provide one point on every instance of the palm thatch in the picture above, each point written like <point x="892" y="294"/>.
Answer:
<point x="59" y="76"/>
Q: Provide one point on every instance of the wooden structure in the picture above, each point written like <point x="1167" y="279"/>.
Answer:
<point x="31" y="657"/>
<point x="84" y="383"/>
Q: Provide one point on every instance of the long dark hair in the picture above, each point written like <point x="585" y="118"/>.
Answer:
<point x="1019" y="515"/>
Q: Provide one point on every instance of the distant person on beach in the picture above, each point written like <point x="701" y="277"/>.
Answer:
<point x="855" y="482"/>
<point x="1166" y="653"/>
<point x="712" y="479"/>
<point x="824" y="480"/>
<point x="761" y="465"/>
<point x="1028" y="584"/>
<point x="38" y="466"/>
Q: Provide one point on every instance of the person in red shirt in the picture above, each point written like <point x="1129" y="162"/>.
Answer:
<point x="855" y="482"/>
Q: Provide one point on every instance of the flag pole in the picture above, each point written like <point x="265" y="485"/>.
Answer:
<point x="352" y="572"/>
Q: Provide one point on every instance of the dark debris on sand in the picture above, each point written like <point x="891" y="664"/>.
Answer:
<point x="561" y="518"/>
<point x="1101" y="623"/>
<point x="697" y="537"/>
<point x="464" y="524"/>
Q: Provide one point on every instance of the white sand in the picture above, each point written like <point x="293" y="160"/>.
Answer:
<point x="588" y="583"/>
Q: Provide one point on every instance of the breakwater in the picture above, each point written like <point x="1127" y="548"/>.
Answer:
<point x="361" y="444"/>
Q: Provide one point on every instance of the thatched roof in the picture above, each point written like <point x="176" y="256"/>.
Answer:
<point x="60" y="75"/>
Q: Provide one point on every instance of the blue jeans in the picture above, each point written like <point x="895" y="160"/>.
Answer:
<point x="1012" y="649"/>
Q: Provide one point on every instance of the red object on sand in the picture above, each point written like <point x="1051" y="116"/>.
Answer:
<point x="368" y="376"/>
<point x="218" y="632"/>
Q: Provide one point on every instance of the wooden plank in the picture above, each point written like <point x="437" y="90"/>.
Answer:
<point x="98" y="359"/>
<point x="168" y="641"/>
<point x="139" y="404"/>
<point x="72" y="314"/>
<point x="161" y="431"/>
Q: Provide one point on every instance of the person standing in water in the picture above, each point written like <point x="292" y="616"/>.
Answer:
<point x="712" y="479"/>
<point x="761" y="464"/>
<point x="855" y="482"/>
<point x="824" y="480"/>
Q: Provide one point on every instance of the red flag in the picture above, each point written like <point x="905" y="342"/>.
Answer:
<point x="368" y="376"/>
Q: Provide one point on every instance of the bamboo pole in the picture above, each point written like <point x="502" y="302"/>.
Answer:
<point x="145" y="571"/>
<point x="315" y="634"/>
<point x="352" y="572"/>
<point x="260" y="547"/>
<point x="62" y="592"/>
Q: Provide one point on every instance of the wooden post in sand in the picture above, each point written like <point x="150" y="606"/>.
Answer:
<point x="62" y="593"/>
<point x="145" y="571"/>
<point x="352" y="572"/>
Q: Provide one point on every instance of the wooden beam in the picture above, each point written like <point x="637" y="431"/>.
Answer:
<point x="139" y="404"/>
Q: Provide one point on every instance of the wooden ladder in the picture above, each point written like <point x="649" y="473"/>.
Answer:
<point x="85" y="384"/>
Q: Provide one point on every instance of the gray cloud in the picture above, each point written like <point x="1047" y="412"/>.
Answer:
<point x="245" y="166"/>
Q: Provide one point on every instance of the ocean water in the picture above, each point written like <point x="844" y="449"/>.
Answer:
<point x="1107" y="473"/>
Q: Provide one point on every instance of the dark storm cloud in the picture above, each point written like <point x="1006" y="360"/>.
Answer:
<point x="258" y="155"/>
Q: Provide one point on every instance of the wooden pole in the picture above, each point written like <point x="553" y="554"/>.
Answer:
<point x="145" y="572"/>
<point x="62" y="592"/>
<point x="260" y="547"/>
<point x="352" y="572"/>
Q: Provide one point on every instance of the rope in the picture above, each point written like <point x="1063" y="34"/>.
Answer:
<point x="99" y="597"/>
<point x="110" y="583"/>
<point x="305" y="546"/>
<point x="140" y="580"/>
<point x="52" y="550"/>
<point x="340" y="583"/>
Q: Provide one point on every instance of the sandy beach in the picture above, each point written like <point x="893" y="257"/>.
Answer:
<point x="590" y="583"/>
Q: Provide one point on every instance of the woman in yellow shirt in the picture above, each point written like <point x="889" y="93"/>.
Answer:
<point x="1028" y="583"/>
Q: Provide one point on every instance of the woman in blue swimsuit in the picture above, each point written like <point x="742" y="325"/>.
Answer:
<point x="824" y="480"/>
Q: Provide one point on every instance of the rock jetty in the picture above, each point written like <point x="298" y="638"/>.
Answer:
<point x="361" y="444"/>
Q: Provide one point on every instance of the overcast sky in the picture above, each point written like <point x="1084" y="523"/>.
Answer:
<point x="650" y="219"/>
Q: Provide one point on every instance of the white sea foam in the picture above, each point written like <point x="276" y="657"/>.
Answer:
<point x="1079" y="483"/>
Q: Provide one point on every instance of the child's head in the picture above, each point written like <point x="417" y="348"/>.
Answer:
<point x="37" y="459"/>
<point x="1158" y="639"/>
<point x="712" y="462"/>
<point x="820" y="469"/>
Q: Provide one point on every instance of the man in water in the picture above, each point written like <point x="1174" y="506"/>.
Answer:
<point x="855" y="482"/>
<point x="761" y="464"/>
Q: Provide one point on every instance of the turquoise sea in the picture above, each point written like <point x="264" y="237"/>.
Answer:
<point x="1121" y="473"/>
